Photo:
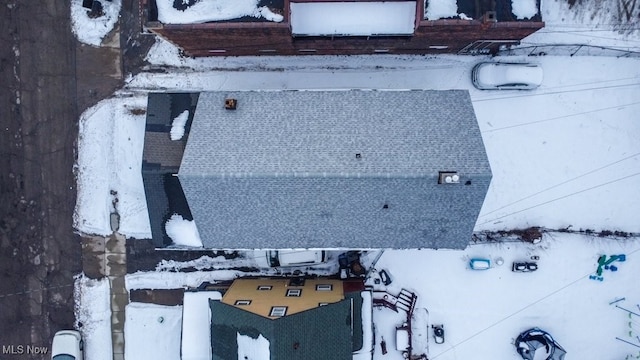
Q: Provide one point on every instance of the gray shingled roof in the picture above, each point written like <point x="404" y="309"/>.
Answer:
<point x="307" y="133"/>
<point x="281" y="170"/>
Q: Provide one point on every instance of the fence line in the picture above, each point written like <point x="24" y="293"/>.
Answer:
<point x="568" y="49"/>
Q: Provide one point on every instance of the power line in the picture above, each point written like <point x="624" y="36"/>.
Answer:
<point x="592" y="36"/>
<point x="562" y="197"/>
<point x="34" y="290"/>
<point x="560" y="117"/>
<point x="558" y="92"/>
<point x="583" y="25"/>
<point x="559" y="184"/>
<point x="606" y="47"/>
<point x="570" y="50"/>
<point x="548" y="29"/>
<point x="594" y="82"/>
<point x="581" y="278"/>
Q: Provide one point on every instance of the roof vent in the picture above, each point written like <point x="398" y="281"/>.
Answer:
<point x="448" y="177"/>
<point x="230" y="104"/>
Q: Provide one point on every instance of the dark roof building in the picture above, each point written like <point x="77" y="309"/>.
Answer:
<point x="313" y="324"/>
<point x="327" y="169"/>
<point x="161" y="159"/>
<point x="290" y="337"/>
<point x="315" y="27"/>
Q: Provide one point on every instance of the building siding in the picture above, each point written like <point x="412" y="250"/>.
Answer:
<point x="242" y="39"/>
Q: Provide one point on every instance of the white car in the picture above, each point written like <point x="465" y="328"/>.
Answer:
<point x="506" y="76"/>
<point x="280" y="258"/>
<point x="67" y="345"/>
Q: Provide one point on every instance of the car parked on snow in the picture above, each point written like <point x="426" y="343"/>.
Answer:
<point x="506" y="76"/>
<point x="67" y="345"/>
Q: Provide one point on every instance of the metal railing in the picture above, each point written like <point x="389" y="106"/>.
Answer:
<point x="568" y="50"/>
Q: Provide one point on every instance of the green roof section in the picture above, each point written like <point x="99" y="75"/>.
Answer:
<point x="320" y="333"/>
<point x="356" y="337"/>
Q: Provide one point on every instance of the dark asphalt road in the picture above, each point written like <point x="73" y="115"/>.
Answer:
<point x="39" y="251"/>
<point x="46" y="80"/>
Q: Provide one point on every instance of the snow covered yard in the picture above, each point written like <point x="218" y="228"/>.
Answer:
<point x="484" y="311"/>
<point x="562" y="155"/>
<point x="561" y="142"/>
<point x="88" y="27"/>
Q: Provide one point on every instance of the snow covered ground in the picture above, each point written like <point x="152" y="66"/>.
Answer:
<point x="589" y="22"/>
<point x="93" y="316"/>
<point x="152" y="331"/>
<point x="212" y="10"/>
<point x="564" y="155"/>
<point x="108" y="167"/>
<point x="442" y="9"/>
<point x="92" y="30"/>
<point x="482" y="311"/>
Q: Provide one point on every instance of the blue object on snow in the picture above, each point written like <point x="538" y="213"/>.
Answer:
<point x="622" y="257"/>
<point x="479" y="264"/>
<point x="613" y="268"/>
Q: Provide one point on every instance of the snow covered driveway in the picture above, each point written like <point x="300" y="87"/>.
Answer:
<point x="566" y="154"/>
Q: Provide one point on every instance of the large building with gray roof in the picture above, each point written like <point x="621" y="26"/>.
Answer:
<point x="335" y="169"/>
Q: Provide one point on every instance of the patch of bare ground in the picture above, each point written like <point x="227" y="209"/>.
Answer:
<point x="534" y="234"/>
<point x="621" y="15"/>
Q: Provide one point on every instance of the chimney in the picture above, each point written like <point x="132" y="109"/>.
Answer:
<point x="489" y="17"/>
<point x="230" y="104"/>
